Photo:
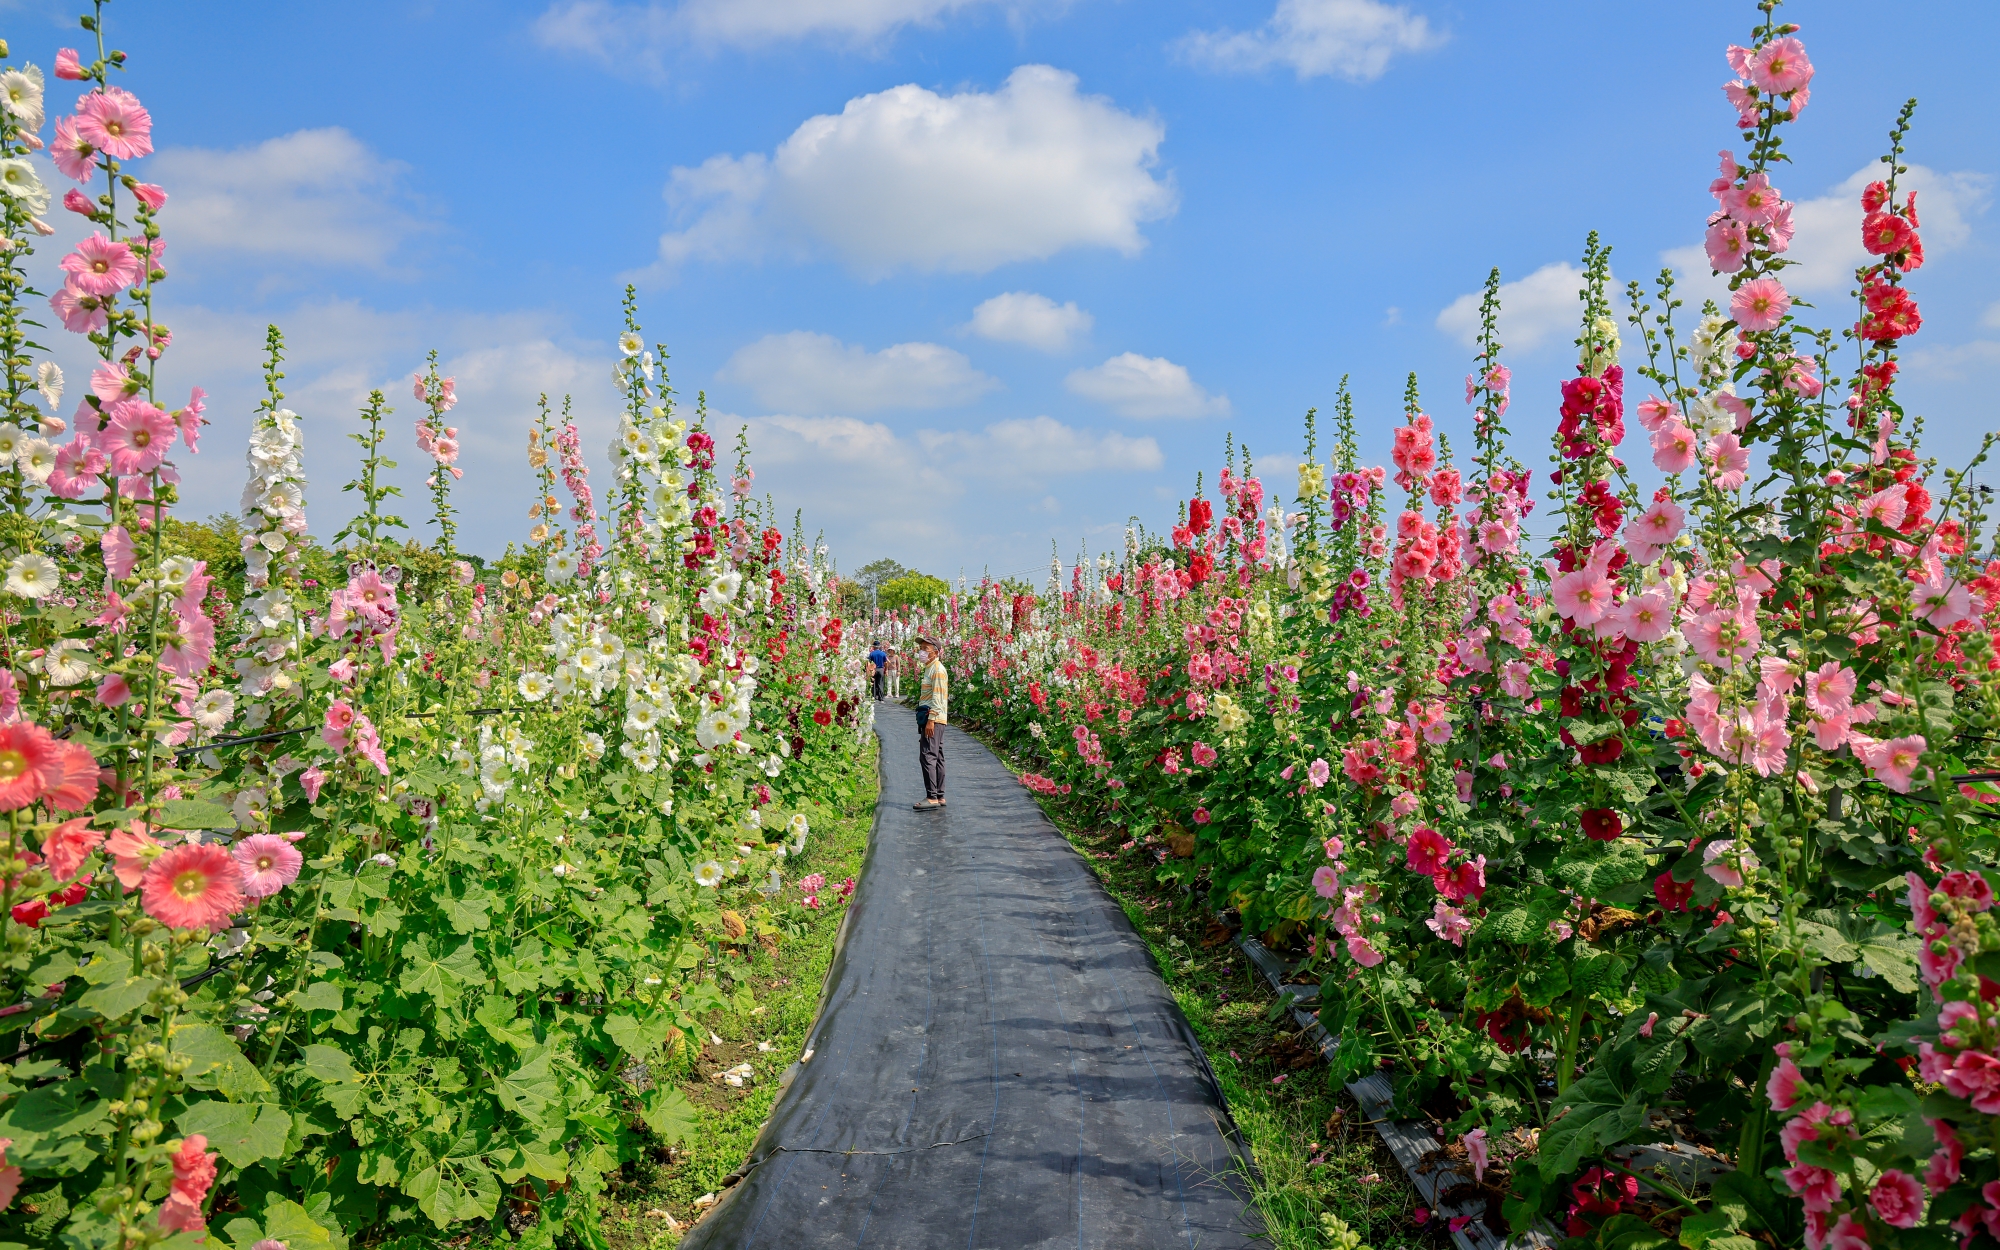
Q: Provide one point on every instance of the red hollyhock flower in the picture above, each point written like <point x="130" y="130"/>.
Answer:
<point x="1673" y="895"/>
<point x="1601" y="824"/>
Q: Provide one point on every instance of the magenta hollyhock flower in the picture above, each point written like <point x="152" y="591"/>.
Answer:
<point x="100" y="266"/>
<point x="192" y="886"/>
<point x="137" y="438"/>
<point x="1783" y="1087"/>
<point x="1760" y="304"/>
<point x="113" y="121"/>
<point x="1428" y="850"/>
<point x="1898" y="1199"/>
<point x="80" y="313"/>
<point x="1975" y="1076"/>
<point x="269" y="863"/>
<point x="1816" y="1187"/>
<point x="74" y="157"/>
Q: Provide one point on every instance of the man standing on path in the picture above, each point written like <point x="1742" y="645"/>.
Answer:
<point x="878" y="659"/>
<point x="933" y="704"/>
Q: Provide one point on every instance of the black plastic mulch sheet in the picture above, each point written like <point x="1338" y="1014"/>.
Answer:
<point x="997" y="1063"/>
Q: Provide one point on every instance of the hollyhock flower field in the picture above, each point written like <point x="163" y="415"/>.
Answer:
<point x="352" y="905"/>
<point x="1656" y="813"/>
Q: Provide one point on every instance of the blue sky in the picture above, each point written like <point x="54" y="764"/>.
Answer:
<point x="985" y="273"/>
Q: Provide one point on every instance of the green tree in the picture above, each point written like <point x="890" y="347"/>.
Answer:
<point x="914" y="590"/>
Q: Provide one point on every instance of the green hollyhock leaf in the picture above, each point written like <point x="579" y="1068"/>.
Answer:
<point x="243" y="1132"/>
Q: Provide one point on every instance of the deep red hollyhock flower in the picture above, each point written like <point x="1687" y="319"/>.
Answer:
<point x="1673" y="895"/>
<point x="1601" y="824"/>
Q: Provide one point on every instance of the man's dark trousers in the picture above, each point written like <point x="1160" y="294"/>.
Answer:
<point x="881" y="683"/>
<point x="930" y="754"/>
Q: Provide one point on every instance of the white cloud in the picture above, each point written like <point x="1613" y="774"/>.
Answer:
<point x="311" y="197"/>
<point x="817" y="373"/>
<point x="1545" y="302"/>
<point x="1035" y="448"/>
<point x="1146" y="386"/>
<point x="624" y="33"/>
<point x="1354" y="39"/>
<point x="1953" y="364"/>
<point x="1827" y="237"/>
<point x="1991" y="317"/>
<point x="907" y="178"/>
<point x="1032" y="320"/>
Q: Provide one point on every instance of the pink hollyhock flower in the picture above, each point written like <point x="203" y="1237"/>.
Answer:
<point x="1648" y="617"/>
<point x="1754" y="201"/>
<point x="1760" y="304"/>
<point x="111" y="381"/>
<point x="1943" y="603"/>
<point x="1922" y="915"/>
<point x="119" y="556"/>
<point x="1898" y="1199"/>
<point x="113" y="692"/>
<point x="100" y="266"/>
<point x="1818" y="1188"/>
<point x="1362" y="952"/>
<point x="79" y="203"/>
<point x="193" y="886"/>
<point x="1779" y="66"/>
<point x="190" y="418"/>
<point x="1326" y="882"/>
<point x="1783" y="1087"/>
<point x="1734" y="406"/>
<point x="1944" y="1169"/>
<point x="68" y="845"/>
<point x="1744" y="103"/>
<point x="132" y="850"/>
<point x="1655" y="412"/>
<point x="1658" y="525"/>
<point x="1728" y="462"/>
<point x="1428" y="851"/>
<point x="269" y="864"/>
<point x="1848" y="1233"/>
<point x="1971" y="889"/>
<point x="74" y="157"/>
<point x="138" y="437"/>
<point x="1514" y="679"/>
<point x="67" y="65"/>
<point x="79" y="313"/>
<point x="1830" y="689"/>
<point x="1403" y="804"/>
<point x="1720" y="861"/>
<point x="374" y="598"/>
<point x="310" y="781"/>
<point x="1204" y="754"/>
<point x="1449" y="923"/>
<point x="1582" y="596"/>
<point x="1674" y="446"/>
<point x="1894" y="762"/>
<point x="112" y="120"/>
<point x="1975" y="1076"/>
<point x="1728" y="245"/>
<point x="194" y="1172"/>
<point x="152" y="196"/>
<point x="1318" y="772"/>
<point x="1476" y="1152"/>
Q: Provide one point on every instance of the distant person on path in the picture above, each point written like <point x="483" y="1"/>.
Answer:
<point x="878" y="659"/>
<point x="933" y="704"/>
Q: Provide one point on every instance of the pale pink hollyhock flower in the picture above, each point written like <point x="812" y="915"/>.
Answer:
<point x="1830" y="689"/>
<point x="342" y="670"/>
<point x="269" y="864"/>
<point x="1743" y="102"/>
<point x="73" y="156"/>
<point x="1514" y="679"/>
<point x="1723" y="864"/>
<point x="1728" y="462"/>
<point x="1326" y="882"/>
<point x="1779" y="66"/>
<point x="1403" y="804"/>
<point x="311" y="780"/>
<point x="1333" y="847"/>
<point x="1943" y="604"/>
<point x="1760" y="304"/>
<point x="1476" y="1152"/>
<point x="112" y="120"/>
<point x="111" y="381"/>
<point x="113" y="692"/>
<point x="1887" y="506"/>
<point x="1674" y="447"/>
<point x="153" y="197"/>
<point x="1317" y="773"/>
<point x="138" y="437"/>
<point x="1783" y="1087"/>
<point x="190" y="418"/>
<point x="79" y="313"/>
<point x="1648" y="617"/>
<point x="1894" y="762"/>
<point x="77" y="465"/>
<point x="192" y="886"/>
<point x="1734" y="406"/>
<point x="119" y="557"/>
<point x="79" y="203"/>
<point x="1655" y="412"/>
<point x="1658" y="525"/>
<point x="1728" y="245"/>
<point x="1362" y="952"/>
<point x="67" y="65"/>
<point x="1449" y="923"/>
<point x="1652" y="1019"/>
<point x="1582" y="596"/>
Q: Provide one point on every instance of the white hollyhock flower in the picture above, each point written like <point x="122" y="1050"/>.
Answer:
<point x="67" y="663"/>
<point x="21" y="96"/>
<point x="213" y="710"/>
<point x="630" y="343"/>
<point x="33" y="575"/>
<point x="534" y="687"/>
<point x="49" y="381"/>
<point x="19" y="182"/>
<point x="561" y="567"/>
<point x="708" y="873"/>
<point x="37" y="458"/>
<point x="11" y="439"/>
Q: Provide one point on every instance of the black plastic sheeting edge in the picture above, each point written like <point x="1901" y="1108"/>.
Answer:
<point x="997" y="1061"/>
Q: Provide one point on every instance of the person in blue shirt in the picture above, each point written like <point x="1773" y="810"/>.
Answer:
<point x="878" y="659"/>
